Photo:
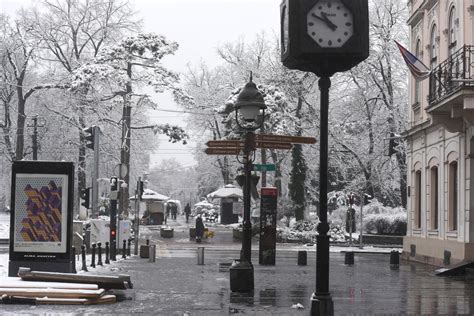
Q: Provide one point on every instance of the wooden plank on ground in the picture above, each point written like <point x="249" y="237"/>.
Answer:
<point x="19" y="283"/>
<point x="105" y="299"/>
<point x="120" y="282"/>
<point x="56" y="293"/>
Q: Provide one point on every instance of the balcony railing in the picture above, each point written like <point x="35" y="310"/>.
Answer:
<point x="454" y="74"/>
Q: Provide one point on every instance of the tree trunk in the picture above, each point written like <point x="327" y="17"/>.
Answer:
<point x="20" y="127"/>
<point x="125" y="145"/>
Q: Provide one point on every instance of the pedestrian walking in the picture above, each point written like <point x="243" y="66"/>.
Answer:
<point x="168" y="209"/>
<point x="187" y="212"/>
<point x="199" y="229"/>
<point x="174" y="211"/>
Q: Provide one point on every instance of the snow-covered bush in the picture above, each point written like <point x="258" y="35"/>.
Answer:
<point x="382" y="224"/>
<point x="377" y="218"/>
<point x="305" y="231"/>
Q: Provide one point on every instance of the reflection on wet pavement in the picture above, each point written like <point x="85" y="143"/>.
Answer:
<point x="370" y="286"/>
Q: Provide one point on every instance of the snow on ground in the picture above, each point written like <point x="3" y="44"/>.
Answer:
<point x="4" y="225"/>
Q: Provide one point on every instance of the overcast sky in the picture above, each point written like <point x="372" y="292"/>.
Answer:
<point x="199" y="27"/>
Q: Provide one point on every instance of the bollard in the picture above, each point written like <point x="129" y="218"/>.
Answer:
<point x="394" y="259"/>
<point x="107" y="252"/>
<point x="129" y="246"/>
<point x="83" y="253"/>
<point x="124" y="250"/>
<point x="302" y="258"/>
<point x="200" y="255"/>
<point x="349" y="258"/>
<point x="151" y="253"/>
<point x="99" y="254"/>
<point x="93" y="256"/>
<point x="73" y="249"/>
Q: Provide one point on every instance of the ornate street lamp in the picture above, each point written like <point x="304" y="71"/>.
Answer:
<point x="249" y="107"/>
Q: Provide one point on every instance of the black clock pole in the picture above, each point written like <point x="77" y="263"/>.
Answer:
<point x="321" y="301"/>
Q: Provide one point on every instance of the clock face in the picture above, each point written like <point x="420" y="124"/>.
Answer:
<point x="284" y="29"/>
<point x="330" y="23"/>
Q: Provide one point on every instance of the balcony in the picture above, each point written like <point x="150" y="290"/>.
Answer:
<point x="451" y="90"/>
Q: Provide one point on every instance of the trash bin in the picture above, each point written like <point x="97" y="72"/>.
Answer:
<point x="241" y="277"/>
<point x="302" y="257"/>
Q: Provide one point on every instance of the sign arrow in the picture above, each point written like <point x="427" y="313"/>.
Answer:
<point x="222" y="151"/>
<point x="225" y="143"/>
<point x="273" y="145"/>
<point x="240" y="144"/>
<point x="285" y="139"/>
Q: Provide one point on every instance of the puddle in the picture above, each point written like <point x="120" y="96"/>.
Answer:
<point x="268" y="297"/>
<point x="242" y="298"/>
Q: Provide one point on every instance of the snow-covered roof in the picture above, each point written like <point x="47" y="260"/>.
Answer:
<point x="152" y="195"/>
<point x="228" y="191"/>
<point x="204" y="204"/>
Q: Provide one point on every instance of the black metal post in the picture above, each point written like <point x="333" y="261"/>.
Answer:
<point x="73" y="249"/>
<point x="113" y="217"/>
<point x="321" y="301"/>
<point x="93" y="256"/>
<point x="124" y="250"/>
<point x="246" y="254"/>
<point x="242" y="274"/>
<point x="83" y="253"/>
<point x="107" y="258"/>
<point x="99" y="255"/>
<point x="129" y="246"/>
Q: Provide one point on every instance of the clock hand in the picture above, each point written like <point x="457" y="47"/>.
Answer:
<point x="329" y="22"/>
<point x="325" y="19"/>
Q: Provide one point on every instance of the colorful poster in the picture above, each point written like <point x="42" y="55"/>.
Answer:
<point x="40" y="213"/>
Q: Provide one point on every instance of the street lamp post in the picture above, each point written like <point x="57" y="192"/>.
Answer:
<point x="248" y="107"/>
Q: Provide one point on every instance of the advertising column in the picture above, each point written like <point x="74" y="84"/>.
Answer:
<point x="41" y="216"/>
<point x="268" y="212"/>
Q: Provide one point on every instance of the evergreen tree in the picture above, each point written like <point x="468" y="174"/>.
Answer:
<point x="297" y="181"/>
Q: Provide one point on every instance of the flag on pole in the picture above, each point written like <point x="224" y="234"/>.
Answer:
<point x="417" y="68"/>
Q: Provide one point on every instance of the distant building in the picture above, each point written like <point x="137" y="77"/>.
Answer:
<point x="440" y="137"/>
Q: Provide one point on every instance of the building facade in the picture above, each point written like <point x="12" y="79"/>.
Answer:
<point x="440" y="156"/>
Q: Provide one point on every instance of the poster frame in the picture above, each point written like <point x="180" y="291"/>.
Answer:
<point x="60" y="260"/>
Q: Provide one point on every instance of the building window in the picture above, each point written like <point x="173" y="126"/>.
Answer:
<point x="417" y="205"/>
<point x="453" y="196"/>
<point x="434" y="197"/>
<point x="452" y="32"/>
<point x="433" y="48"/>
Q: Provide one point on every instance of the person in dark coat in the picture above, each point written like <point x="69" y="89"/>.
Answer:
<point x="187" y="212"/>
<point x="199" y="229"/>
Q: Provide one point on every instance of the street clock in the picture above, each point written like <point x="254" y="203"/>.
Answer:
<point x="324" y="36"/>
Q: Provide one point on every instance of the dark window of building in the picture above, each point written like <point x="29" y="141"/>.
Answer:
<point x="453" y="196"/>
<point x="417" y="199"/>
<point x="434" y="197"/>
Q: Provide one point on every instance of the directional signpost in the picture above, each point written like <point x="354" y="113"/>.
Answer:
<point x="222" y="151"/>
<point x="285" y="139"/>
<point x="235" y="146"/>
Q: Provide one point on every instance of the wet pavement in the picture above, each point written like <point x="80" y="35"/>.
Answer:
<point x="176" y="285"/>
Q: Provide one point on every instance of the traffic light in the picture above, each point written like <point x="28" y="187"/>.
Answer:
<point x="392" y="143"/>
<point x="89" y="137"/>
<point x="367" y="199"/>
<point x="85" y="196"/>
<point x="140" y="190"/>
